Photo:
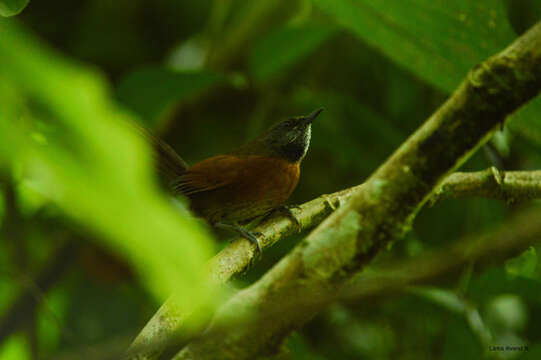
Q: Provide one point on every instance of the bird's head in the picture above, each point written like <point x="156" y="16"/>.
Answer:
<point x="290" y="139"/>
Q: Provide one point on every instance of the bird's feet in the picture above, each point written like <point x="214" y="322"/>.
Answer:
<point x="248" y="235"/>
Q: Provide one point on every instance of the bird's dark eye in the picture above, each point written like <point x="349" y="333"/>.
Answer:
<point x="289" y="123"/>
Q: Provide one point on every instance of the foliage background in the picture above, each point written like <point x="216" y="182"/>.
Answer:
<point x="207" y="76"/>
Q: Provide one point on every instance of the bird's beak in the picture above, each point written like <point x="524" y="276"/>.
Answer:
<point x="309" y="118"/>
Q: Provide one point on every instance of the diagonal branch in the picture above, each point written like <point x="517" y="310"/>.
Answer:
<point x="483" y="249"/>
<point x="506" y="241"/>
<point x="167" y="323"/>
<point x="383" y="211"/>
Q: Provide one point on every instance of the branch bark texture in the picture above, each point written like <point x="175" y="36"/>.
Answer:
<point x="506" y="241"/>
<point x="348" y="239"/>
<point x="233" y="260"/>
<point x="510" y="186"/>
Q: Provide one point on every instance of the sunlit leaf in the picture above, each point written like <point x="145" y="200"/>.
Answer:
<point x="507" y="311"/>
<point x="523" y="265"/>
<point x="93" y="167"/>
<point x="16" y="348"/>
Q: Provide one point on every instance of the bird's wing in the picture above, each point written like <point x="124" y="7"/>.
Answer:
<point x="212" y="173"/>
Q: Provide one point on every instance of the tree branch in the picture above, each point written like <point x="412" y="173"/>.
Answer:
<point x="508" y="240"/>
<point x="383" y="211"/>
<point x="483" y="250"/>
<point x="492" y="183"/>
<point x="163" y="328"/>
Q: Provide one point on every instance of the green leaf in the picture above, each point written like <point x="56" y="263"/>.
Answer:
<point x="438" y="40"/>
<point x="152" y="92"/>
<point x="12" y="7"/>
<point x="497" y="281"/>
<point x="523" y="265"/>
<point x="94" y="166"/>
<point x="49" y="321"/>
<point x="285" y="47"/>
<point x="16" y="348"/>
<point x="459" y="342"/>
<point x="527" y="123"/>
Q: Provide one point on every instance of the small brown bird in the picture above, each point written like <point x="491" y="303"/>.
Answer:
<point x="233" y="189"/>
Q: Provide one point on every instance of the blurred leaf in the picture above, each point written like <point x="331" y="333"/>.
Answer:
<point x="152" y="92"/>
<point x="2" y="206"/>
<point x="443" y="297"/>
<point x="527" y="123"/>
<point x="507" y="312"/>
<point x="188" y="56"/>
<point x="16" y="348"/>
<point x="496" y="282"/>
<point x="93" y="166"/>
<point x="523" y="265"/>
<point x="459" y="342"/>
<point x="8" y="287"/>
<point x="12" y="7"/>
<point x="533" y="353"/>
<point x="300" y="349"/>
<point x="287" y="46"/>
<point x="437" y="40"/>
<point x="50" y="319"/>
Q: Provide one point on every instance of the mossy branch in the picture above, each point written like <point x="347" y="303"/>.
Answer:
<point x="167" y="323"/>
<point x="383" y="211"/>
<point x="491" y="183"/>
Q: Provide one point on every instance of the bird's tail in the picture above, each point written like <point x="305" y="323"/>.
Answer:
<point x="169" y="165"/>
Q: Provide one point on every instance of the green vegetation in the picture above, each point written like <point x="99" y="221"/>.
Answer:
<point x="91" y="246"/>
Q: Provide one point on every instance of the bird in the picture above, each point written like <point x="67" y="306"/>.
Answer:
<point x="232" y="189"/>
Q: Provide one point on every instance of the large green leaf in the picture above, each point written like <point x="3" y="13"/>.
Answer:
<point x="12" y="7"/>
<point x="286" y="46"/>
<point x="151" y="92"/>
<point x="438" y="40"/>
<point x="93" y="166"/>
